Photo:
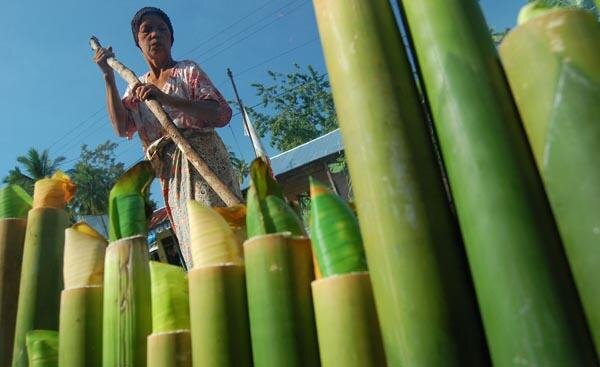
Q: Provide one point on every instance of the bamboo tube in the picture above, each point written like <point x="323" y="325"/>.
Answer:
<point x="80" y="329"/>
<point x="224" y="192"/>
<point x="530" y="309"/>
<point x="219" y="316"/>
<point x="170" y="349"/>
<point x="278" y="275"/>
<point x="42" y="348"/>
<point x="553" y="65"/>
<point x="41" y="278"/>
<point x="421" y="285"/>
<point x="127" y="317"/>
<point x="12" y="234"/>
<point x="347" y="322"/>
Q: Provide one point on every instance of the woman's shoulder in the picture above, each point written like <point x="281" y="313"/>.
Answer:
<point x="188" y="65"/>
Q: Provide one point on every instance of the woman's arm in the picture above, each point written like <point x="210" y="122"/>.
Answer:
<point x="207" y="110"/>
<point x="117" y="112"/>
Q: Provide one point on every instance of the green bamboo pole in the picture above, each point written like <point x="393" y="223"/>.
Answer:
<point x="42" y="348"/>
<point x="530" y="309"/>
<point x="169" y="345"/>
<point x="12" y="234"/>
<point x="553" y="65"/>
<point x="127" y="316"/>
<point x="347" y="322"/>
<point x="41" y="278"/>
<point x="170" y="349"/>
<point x="421" y="285"/>
<point x="279" y="270"/>
<point x="219" y="316"/>
<point x="80" y="329"/>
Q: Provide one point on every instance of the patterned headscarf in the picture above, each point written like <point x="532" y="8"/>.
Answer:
<point x="137" y="21"/>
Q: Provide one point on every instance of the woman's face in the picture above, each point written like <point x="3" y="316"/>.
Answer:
<point x="154" y="37"/>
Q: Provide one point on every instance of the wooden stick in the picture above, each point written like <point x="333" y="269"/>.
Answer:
<point x="189" y="153"/>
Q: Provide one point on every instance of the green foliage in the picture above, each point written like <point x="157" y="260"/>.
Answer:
<point x="300" y="108"/>
<point x="535" y="8"/>
<point x="241" y="167"/>
<point x="34" y="165"/>
<point x="95" y="173"/>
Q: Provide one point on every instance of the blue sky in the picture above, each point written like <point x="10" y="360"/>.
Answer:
<point x="53" y="95"/>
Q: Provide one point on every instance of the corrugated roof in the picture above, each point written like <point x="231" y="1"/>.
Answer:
<point x="313" y="150"/>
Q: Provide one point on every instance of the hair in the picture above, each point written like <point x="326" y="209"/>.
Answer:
<point x="139" y="16"/>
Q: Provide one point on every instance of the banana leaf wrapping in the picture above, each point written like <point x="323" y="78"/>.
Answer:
<point x="334" y="233"/>
<point x="170" y="299"/>
<point x="42" y="348"/>
<point x="127" y="206"/>
<point x="212" y="240"/>
<point x="41" y="271"/>
<point x="553" y="66"/>
<point x="236" y="218"/>
<point x="267" y="209"/>
<point x="85" y="249"/>
<point x="54" y="192"/>
<point x="530" y="308"/>
<point x="423" y="293"/>
<point x="14" y="202"/>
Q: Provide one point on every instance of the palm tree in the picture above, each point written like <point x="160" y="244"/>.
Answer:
<point x="34" y="166"/>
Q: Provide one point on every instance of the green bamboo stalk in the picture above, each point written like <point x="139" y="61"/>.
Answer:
<point x="278" y="274"/>
<point x="42" y="348"/>
<point x="170" y="349"/>
<point x="530" y="309"/>
<point x="41" y="276"/>
<point x="12" y="234"/>
<point x="334" y="232"/>
<point x="127" y="316"/>
<point x="219" y="316"/>
<point x="553" y="66"/>
<point x="80" y="329"/>
<point x="421" y="285"/>
<point x="347" y="322"/>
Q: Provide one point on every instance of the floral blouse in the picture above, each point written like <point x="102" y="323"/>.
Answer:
<point x="187" y="81"/>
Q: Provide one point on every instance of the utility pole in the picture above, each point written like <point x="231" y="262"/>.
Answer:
<point x="256" y="144"/>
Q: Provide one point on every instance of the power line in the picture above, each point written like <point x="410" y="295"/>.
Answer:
<point x="253" y="33"/>
<point x="276" y="56"/>
<point x="86" y="120"/>
<point x="220" y="32"/>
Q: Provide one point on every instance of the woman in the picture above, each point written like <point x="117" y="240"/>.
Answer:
<point x="196" y="108"/>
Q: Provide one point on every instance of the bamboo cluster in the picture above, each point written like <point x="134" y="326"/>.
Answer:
<point x="500" y="267"/>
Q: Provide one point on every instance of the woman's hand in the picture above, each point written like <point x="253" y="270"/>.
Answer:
<point x="146" y="91"/>
<point x="100" y="57"/>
